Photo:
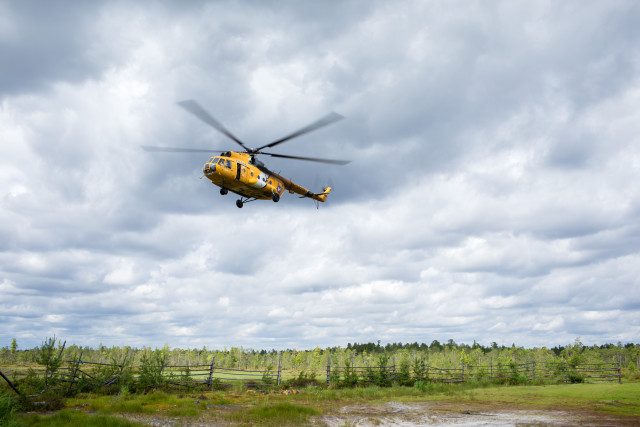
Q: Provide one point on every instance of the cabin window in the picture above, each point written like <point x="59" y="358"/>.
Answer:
<point x="228" y="164"/>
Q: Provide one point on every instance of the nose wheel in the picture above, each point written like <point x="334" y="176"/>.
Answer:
<point x="276" y="198"/>
<point x="242" y="200"/>
<point x="224" y="191"/>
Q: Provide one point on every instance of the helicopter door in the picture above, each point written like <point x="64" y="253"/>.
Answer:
<point x="238" y="171"/>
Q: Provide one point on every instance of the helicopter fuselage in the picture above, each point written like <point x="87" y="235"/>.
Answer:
<point x="240" y="174"/>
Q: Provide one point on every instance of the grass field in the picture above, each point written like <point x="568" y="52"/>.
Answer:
<point x="617" y="404"/>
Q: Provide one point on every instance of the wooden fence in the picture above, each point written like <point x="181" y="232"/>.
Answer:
<point x="516" y="372"/>
<point x="78" y="374"/>
<point x="211" y="376"/>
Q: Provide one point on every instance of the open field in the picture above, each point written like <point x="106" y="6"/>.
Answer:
<point x="591" y="404"/>
<point x="450" y="385"/>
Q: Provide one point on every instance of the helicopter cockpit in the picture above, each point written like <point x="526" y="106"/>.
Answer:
<point x="210" y="166"/>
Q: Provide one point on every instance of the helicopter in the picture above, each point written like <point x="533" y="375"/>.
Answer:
<point x="242" y="173"/>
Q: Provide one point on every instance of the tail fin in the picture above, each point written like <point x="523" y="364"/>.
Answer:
<point x="323" y="196"/>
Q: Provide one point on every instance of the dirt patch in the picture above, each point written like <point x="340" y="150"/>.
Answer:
<point x="407" y="414"/>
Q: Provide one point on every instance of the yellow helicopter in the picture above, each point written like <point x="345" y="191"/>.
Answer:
<point x="242" y="173"/>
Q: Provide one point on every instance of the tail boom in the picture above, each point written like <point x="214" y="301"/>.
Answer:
<point x="292" y="187"/>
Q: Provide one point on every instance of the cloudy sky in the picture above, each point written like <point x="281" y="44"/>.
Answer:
<point x="493" y="194"/>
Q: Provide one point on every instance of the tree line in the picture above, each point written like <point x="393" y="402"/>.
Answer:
<point x="445" y="355"/>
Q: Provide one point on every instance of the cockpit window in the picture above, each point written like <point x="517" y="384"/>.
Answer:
<point x="212" y="160"/>
<point x="228" y="164"/>
<point x="221" y="162"/>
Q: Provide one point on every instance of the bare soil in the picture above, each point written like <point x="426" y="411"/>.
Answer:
<point x="408" y="414"/>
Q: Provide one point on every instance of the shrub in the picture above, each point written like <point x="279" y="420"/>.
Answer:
<point x="31" y="383"/>
<point x="516" y="377"/>
<point x="418" y="369"/>
<point x="574" y="378"/>
<point x="267" y="375"/>
<point x="403" y="377"/>
<point x="49" y="357"/>
<point x="420" y="385"/>
<point x="150" y="373"/>
<point x="631" y="372"/>
<point x="350" y="375"/>
<point x="8" y="408"/>
<point x="303" y="380"/>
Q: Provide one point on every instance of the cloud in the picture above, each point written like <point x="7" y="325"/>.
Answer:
<point x="491" y="196"/>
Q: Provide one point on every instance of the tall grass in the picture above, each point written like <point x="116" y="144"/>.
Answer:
<point x="68" y="417"/>
<point x="282" y="414"/>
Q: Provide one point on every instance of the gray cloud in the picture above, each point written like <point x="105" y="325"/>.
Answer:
<point x="491" y="196"/>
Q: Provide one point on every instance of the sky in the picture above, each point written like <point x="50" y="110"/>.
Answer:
<point x="493" y="192"/>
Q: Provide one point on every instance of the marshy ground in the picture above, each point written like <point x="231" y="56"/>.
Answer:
<point x="555" y="405"/>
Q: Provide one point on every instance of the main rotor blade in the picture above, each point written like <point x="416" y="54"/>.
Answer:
<point x="310" y="159"/>
<point x="326" y="120"/>
<point x="177" y="149"/>
<point x="194" y="108"/>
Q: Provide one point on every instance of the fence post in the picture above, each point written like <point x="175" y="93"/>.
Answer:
<point x="491" y="365"/>
<point x="10" y="384"/>
<point x="533" y="363"/>
<point x="75" y="371"/>
<point x="564" y="368"/>
<point x="619" y="371"/>
<point x="210" y="379"/>
<point x="124" y="362"/>
<point x="423" y="371"/>
<point x="279" y="367"/>
<point x="394" y="369"/>
<point x="462" y="371"/>
<point x="328" y="369"/>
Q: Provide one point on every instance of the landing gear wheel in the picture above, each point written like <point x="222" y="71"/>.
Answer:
<point x="223" y="191"/>
<point x="276" y="198"/>
<point x="239" y="203"/>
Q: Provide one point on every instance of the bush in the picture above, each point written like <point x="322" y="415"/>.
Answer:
<point x="418" y="370"/>
<point x="516" y="377"/>
<point x="350" y="375"/>
<point x="631" y="372"/>
<point x="31" y="383"/>
<point x="8" y="408"/>
<point x="381" y="376"/>
<point x="303" y="380"/>
<point x="49" y="357"/>
<point x="574" y="378"/>
<point x="403" y="377"/>
<point x="267" y="376"/>
<point x="152" y="365"/>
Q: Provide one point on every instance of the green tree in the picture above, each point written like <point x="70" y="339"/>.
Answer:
<point x="14" y="348"/>
<point x="350" y="375"/>
<point x="403" y="377"/>
<point x="150" y="372"/>
<point x="49" y="357"/>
